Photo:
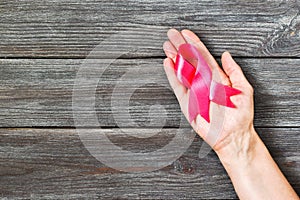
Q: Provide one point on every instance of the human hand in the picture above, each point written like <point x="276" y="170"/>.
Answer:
<point x="227" y="125"/>
<point x="230" y="132"/>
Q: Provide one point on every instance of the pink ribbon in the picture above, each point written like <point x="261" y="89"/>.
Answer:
<point x="195" y="74"/>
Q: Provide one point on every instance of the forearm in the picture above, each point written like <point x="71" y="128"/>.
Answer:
<point x="252" y="170"/>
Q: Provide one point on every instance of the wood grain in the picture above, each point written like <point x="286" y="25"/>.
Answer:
<point x="38" y="92"/>
<point x="72" y="28"/>
<point x="53" y="163"/>
<point x="42" y="49"/>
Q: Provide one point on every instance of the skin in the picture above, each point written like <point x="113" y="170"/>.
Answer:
<point x="247" y="161"/>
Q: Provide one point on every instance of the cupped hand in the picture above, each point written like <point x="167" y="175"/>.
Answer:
<point x="227" y="125"/>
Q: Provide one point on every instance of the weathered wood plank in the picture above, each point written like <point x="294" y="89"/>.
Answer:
<point x="53" y="163"/>
<point x="39" y="92"/>
<point x="71" y="28"/>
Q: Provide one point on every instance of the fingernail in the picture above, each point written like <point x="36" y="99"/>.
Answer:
<point x="172" y="31"/>
<point x="227" y="52"/>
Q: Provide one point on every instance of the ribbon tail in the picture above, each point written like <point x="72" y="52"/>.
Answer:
<point x="221" y="94"/>
<point x="198" y="104"/>
<point x="193" y="106"/>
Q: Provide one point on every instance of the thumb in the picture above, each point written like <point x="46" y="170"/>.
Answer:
<point x="234" y="72"/>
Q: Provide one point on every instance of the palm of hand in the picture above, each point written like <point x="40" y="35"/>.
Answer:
<point x="225" y="122"/>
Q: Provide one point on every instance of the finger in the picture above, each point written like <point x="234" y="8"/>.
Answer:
<point x="170" y="50"/>
<point x="218" y="74"/>
<point x="235" y="73"/>
<point x="192" y="38"/>
<point x="179" y="90"/>
<point x="175" y="38"/>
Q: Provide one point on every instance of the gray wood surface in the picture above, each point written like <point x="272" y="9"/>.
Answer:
<point x="43" y="46"/>
<point x="71" y="28"/>
<point x="39" y="92"/>
<point x="53" y="163"/>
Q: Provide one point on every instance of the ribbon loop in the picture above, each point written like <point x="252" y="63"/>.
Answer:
<point x="195" y="74"/>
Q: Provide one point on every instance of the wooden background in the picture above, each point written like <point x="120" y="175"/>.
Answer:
<point x="43" y="44"/>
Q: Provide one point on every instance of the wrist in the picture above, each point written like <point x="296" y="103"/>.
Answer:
<point x="253" y="172"/>
<point x="241" y="147"/>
